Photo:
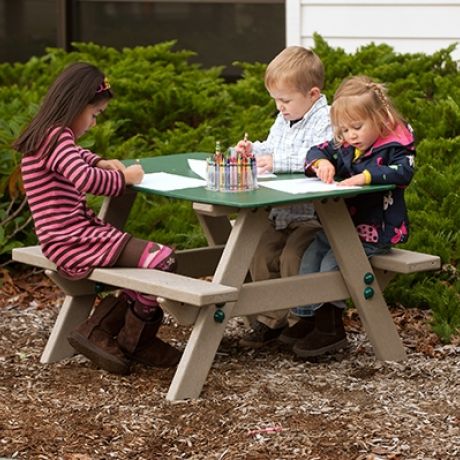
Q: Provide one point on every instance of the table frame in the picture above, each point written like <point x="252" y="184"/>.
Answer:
<point x="240" y="240"/>
<point x="231" y="246"/>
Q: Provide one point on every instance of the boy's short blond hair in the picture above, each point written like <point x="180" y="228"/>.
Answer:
<point x="297" y="67"/>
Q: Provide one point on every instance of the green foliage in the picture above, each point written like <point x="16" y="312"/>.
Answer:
<point x="164" y="105"/>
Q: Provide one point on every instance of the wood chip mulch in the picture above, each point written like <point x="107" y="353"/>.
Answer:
<point x="256" y="405"/>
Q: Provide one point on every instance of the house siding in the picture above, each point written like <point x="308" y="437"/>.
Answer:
<point x="407" y="26"/>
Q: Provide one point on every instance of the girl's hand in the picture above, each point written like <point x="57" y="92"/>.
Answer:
<point x="133" y="174"/>
<point x="264" y="164"/>
<point x="359" y="179"/>
<point x="114" y="165"/>
<point x="244" y="148"/>
<point x="325" y="170"/>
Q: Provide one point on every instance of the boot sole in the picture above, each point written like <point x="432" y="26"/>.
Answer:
<point x="98" y="356"/>
<point x="168" y="356"/>
<point x="320" y="351"/>
<point x="289" y="340"/>
<point x="256" y="345"/>
<point x="148" y="363"/>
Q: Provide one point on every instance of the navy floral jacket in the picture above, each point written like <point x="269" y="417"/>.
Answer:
<point x="381" y="217"/>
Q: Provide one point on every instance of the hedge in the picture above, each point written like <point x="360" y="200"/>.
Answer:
<point x="164" y="105"/>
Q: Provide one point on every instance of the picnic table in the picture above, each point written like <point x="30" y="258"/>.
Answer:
<point x="233" y="224"/>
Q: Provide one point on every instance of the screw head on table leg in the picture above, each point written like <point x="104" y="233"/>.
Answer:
<point x="369" y="278"/>
<point x="99" y="288"/>
<point x="219" y="316"/>
<point x="368" y="293"/>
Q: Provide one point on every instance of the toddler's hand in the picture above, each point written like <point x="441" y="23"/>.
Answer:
<point x="244" y="148"/>
<point x="359" y="179"/>
<point x="133" y="174"/>
<point x="325" y="170"/>
<point x="115" y="165"/>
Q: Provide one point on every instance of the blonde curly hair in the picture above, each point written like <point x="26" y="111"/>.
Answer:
<point x="361" y="98"/>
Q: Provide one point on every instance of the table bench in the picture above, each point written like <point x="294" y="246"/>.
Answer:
<point x="184" y="295"/>
<point x="181" y="289"/>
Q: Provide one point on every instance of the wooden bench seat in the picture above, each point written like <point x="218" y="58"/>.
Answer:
<point x="404" y="261"/>
<point x="180" y="290"/>
<point x="184" y="295"/>
<point x="80" y="294"/>
<point x="172" y="286"/>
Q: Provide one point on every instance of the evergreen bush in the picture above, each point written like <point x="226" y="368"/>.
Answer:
<point x="166" y="105"/>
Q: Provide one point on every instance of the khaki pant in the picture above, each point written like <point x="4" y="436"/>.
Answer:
<point x="278" y="255"/>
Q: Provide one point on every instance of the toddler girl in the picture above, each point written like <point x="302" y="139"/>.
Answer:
<point x="371" y="145"/>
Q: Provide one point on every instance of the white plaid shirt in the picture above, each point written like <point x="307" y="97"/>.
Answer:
<point x="289" y="146"/>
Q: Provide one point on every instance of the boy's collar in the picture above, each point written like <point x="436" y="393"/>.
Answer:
<point x="320" y="102"/>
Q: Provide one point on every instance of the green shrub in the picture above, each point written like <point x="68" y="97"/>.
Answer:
<point x="164" y="105"/>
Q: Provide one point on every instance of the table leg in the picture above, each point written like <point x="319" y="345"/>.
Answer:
<point x="207" y="333"/>
<point x="115" y="209"/>
<point x="78" y="302"/>
<point x="354" y="264"/>
<point x="214" y="222"/>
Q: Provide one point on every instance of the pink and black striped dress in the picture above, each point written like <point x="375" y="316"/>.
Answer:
<point x="70" y="233"/>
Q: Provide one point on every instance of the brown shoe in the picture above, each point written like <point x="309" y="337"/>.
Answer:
<point x="95" y="338"/>
<point x="328" y="335"/>
<point x="299" y="330"/>
<point x="138" y="340"/>
<point x="260" y="336"/>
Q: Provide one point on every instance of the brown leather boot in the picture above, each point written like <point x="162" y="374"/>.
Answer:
<point x="138" y="340"/>
<point x="298" y="331"/>
<point x="328" y="334"/>
<point x="95" y="338"/>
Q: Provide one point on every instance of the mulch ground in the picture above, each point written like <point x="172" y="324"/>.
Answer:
<point x="260" y="405"/>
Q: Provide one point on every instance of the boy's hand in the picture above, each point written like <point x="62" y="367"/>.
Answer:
<point x="133" y="174"/>
<point x="264" y="164"/>
<point x="244" y="148"/>
<point x="359" y="179"/>
<point x="325" y="170"/>
<point x="115" y="165"/>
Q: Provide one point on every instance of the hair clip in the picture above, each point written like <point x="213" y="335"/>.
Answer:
<point x="104" y="86"/>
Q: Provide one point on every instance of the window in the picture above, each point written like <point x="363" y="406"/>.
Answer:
<point x="219" y="31"/>
<point x="27" y="27"/>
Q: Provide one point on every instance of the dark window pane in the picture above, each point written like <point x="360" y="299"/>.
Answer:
<point x="220" y="32"/>
<point x="27" y="27"/>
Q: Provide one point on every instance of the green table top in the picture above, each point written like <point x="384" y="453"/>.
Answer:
<point x="177" y="164"/>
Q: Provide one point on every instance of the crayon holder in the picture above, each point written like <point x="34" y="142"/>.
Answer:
<point x="231" y="174"/>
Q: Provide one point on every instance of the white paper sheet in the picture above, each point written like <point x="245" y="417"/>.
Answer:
<point x="165" y="181"/>
<point x="199" y="168"/>
<point x="304" y="185"/>
<point x="264" y="176"/>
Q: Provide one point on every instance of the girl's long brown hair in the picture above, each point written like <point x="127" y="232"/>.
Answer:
<point x="79" y="85"/>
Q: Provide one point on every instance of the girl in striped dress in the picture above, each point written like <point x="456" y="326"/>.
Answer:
<point x="57" y="175"/>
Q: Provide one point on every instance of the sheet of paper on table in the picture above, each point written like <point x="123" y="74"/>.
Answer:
<point x="165" y="181"/>
<point x="199" y="168"/>
<point x="304" y="185"/>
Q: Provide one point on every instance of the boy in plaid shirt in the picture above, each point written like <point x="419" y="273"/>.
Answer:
<point x="294" y="79"/>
